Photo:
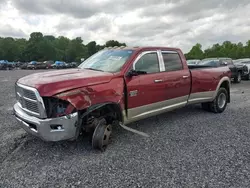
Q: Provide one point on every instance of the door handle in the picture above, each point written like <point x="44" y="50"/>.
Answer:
<point x="185" y="77"/>
<point x="158" y="81"/>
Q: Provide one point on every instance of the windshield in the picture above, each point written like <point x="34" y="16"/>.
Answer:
<point x="107" y="60"/>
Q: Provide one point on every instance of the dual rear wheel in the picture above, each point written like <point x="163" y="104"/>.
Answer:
<point x="219" y="104"/>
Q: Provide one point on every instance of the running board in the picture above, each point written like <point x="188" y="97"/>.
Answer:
<point x="133" y="130"/>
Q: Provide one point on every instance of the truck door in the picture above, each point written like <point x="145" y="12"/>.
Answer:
<point x="177" y="77"/>
<point x="165" y="86"/>
<point x="145" y="92"/>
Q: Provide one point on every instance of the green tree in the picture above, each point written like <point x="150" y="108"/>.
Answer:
<point x="92" y="48"/>
<point x="39" y="47"/>
<point x="112" y="43"/>
<point x="196" y="52"/>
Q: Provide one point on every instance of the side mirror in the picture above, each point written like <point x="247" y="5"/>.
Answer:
<point x="132" y="73"/>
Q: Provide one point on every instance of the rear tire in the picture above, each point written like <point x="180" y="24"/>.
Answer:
<point x="219" y="104"/>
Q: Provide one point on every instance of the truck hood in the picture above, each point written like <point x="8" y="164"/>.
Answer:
<point x="54" y="82"/>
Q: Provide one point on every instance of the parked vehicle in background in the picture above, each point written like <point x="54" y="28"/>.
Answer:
<point x="72" y="65"/>
<point x="193" y="61"/>
<point x="246" y="63"/>
<point x="116" y="86"/>
<point x="59" y="65"/>
<point x="11" y="64"/>
<point x="48" y="64"/>
<point x="39" y="65"/>
<point x="238" y="71"/>
<point x="23" y="65"/>
<point x="31" y="65"/>
<point x="5" y="65"/>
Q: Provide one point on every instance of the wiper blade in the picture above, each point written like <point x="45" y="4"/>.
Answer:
<point x="94" y="69"/>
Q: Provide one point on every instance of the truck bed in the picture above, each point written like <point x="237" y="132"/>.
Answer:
<point x="205" y="79"/>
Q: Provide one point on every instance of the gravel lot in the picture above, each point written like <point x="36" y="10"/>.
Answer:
<point x="187" y="148"/>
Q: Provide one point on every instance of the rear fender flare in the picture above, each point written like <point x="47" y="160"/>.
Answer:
<point x="222" y="80"/>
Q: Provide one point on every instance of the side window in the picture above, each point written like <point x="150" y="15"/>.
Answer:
<point x="172" y="61"/>
<point x="148" y="63"/>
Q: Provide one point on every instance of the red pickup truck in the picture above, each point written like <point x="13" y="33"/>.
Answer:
<point x="116" y="86"/>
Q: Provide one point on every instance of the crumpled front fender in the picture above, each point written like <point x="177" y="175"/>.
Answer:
<point x="85" y="97"/>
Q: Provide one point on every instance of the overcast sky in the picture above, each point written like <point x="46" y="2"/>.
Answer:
<point x="174" y="23"/>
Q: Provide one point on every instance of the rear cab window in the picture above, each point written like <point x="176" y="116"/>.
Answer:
<point x="172" y="61"/>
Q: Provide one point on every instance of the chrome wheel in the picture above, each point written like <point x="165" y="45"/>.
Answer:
<point x="222" y="99"/>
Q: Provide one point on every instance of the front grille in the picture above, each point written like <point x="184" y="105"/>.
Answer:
<point x="31" y="106"/>
<point x="29" y="94"/>
<point x="30" y="101"/>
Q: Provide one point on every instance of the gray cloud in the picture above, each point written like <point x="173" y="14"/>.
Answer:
<point x="180" y="23"/>
<point x="7" y="30"/>
<point x="81" y="8"/>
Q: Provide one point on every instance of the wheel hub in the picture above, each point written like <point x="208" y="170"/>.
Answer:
<point x="102" y="135"/>
<point x="222" y="100"/>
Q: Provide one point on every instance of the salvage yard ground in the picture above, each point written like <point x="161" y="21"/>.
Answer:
<point x="186" y="148"/>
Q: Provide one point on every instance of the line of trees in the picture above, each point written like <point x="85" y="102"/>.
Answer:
<point x="226" y="49"/>
<point x="40" y="48"/>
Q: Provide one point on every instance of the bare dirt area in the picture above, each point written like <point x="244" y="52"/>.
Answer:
<point x="186" y="148"/>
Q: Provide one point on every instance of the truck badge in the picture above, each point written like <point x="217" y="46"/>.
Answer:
<point x="133" y="93"/>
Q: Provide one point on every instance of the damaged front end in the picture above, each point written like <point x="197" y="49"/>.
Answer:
<point x="49" y="118"/>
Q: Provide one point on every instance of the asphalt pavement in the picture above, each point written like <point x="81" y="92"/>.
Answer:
<point x="186" y="148"/>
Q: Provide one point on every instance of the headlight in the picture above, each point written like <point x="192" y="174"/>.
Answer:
<point x="56" y="107"/>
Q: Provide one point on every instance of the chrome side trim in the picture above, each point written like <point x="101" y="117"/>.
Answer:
<point x="149" y="110"/>
<point x="201" y="97"/>
<point x="170" y="52"/>
<point x="161" y="61"/>
<point x="28" y="99"/>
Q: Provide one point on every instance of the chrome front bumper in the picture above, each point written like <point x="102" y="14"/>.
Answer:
<point x="55" y="129"/>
